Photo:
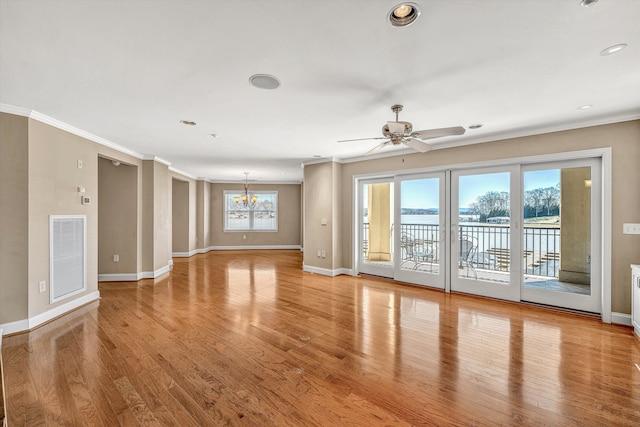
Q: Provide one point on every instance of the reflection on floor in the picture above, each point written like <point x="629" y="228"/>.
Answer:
<point x="556" y="285"/>
<point x="540" y="282"/>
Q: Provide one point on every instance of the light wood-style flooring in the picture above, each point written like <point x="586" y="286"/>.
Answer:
<point x="247" y="338"/>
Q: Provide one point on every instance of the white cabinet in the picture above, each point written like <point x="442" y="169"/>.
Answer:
<point x="635" y="295"/>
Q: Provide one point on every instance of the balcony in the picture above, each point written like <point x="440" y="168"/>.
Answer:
<point x="484" y="249"/>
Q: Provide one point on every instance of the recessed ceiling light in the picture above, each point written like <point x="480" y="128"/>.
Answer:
<point x="476" y="126"/>
<point x="587" y="3"/>
<point x="317" y="156"/>
<point x="585" y="107"/>
<point x="403" y="14"/>
<point x="613" y="49"/>
<point x="188" y="122"/>
<point x="264" y="81"/>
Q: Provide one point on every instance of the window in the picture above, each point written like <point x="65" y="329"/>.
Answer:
<point x="262" y="217"/>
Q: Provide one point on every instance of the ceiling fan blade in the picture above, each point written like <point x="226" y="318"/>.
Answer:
<point x="376" y="148"/>
<point x="417" y="145"/>
<point x="361" y="139"/>
<point x="437" y="133"/>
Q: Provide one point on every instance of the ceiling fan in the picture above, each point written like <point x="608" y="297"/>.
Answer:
<point x="397" y="133"/>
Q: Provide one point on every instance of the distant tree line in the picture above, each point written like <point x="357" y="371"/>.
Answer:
<point x="537" y="202"/>
<point x="542" y="202"/>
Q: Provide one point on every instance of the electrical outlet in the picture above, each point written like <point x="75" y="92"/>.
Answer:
<point x="631" y="228"/>
<point x="244" y="237"/>
<point x="43" y="286"/>
<point x="116" y="258"/>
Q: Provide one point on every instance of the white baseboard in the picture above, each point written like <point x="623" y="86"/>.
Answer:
<point x="134" y="277"/>
<point x="159" y="272"/>
<point x="621" y="319"/>
<point x="27" y="324"/>
<point x="326" y="271"/>
<point x="185" y="254"/>
<point x="123" y="277"/>
<point x="233" y="248"/>
<point x="2" y="382"/>
<point x="249" y="248"/>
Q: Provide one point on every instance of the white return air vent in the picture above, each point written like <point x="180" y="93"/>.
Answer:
<point x="68" y="265"/>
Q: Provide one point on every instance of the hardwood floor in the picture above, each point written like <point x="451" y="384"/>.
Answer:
<point x="246" y="338"/>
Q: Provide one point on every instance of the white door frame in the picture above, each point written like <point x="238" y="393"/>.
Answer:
<point x="591" y="303"/>
<point x="605" y="153"/>
<point x="415" y="276"/>
<point x="507" y="291"/>
<point x="371" y="268"/>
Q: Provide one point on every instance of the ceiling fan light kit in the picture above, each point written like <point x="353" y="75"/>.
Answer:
<point x="401" y="133"/>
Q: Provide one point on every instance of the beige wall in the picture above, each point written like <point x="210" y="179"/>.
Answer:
<point x="14" y="222"/>
<point x="53" y="180"/>
<point x="336" y="225"/>
<point x="156" y="215"/>
<point x="203" y="214"/>
<point x="117" y="201"/>
<point x="147" y="214"/>
<point x="288" y="217"/>
<point x="319" y="195"/>
<point x="623" y="138"/>
<point x="180" y="215"/>
<point x="161" y="216"/>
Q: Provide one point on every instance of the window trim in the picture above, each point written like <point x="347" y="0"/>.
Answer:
<point x="251" y="228"/>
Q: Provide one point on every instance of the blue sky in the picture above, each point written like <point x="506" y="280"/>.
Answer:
<point x="423" y="193"/>
<point x="420" y="193"/>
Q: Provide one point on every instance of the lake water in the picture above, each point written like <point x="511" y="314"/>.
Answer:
<point x="489" y="236"/>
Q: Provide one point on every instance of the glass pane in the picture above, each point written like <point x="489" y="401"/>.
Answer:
<point x="237" y="220"/>
<point x="483" y="231"/>
<point x="377" y="223"/>
<point x="265" y="212"/>
<point x="557" y="230"/>
<point x="419" y="225"/>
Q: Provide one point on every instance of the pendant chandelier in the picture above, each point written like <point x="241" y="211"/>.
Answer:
<point x="248" y="199"/>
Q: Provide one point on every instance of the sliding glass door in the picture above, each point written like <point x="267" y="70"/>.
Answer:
<point x="483" y="234"/>
<point x="376" y="224"/>
<point x="561" y="234"/>
<point x="420" y="241"/>
<point x="520" y="233"/>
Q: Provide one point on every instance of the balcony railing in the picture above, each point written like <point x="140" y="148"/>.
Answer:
<point x="491" y="249"/>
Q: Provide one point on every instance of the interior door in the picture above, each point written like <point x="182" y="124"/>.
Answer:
<point x="484" y="232"/>
<point x="376" y="223"/>
<point x="561" y="234"/>
<point x="420" y="238"/>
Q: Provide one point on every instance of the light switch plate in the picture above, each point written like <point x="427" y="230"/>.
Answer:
<point x="629" y="228"/>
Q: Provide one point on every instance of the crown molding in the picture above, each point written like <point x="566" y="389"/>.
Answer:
<point x="296" y="182"/>
<point x="156" y="159"/>
<point x="185" y="174"/>
<point x="531" y="131"/>
<point x="32" y="114"/>
<point x="516" y="133"/>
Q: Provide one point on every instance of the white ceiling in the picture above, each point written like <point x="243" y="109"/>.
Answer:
<point x="129" y="71"/>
